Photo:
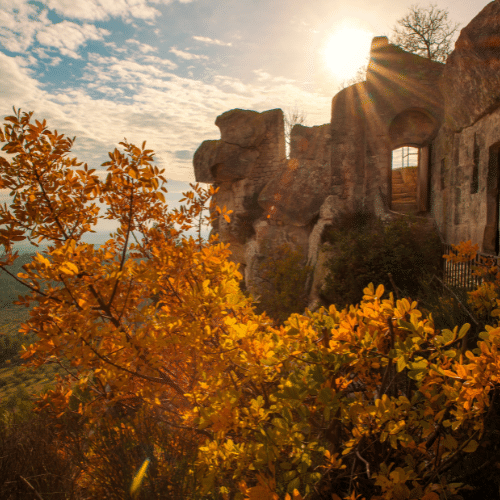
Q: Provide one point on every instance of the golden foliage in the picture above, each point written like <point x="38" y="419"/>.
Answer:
<point x="368" y="402"/>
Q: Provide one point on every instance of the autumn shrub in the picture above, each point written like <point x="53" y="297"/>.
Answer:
<point x="112" y="453"/>
<point x="9" y="347"/>
<point x="282" y="283"/>
<point x="484" y="299"/>
<point x="173" y="366"/>
<point x="371" y="400"/>
<point x="32" y="465"/>
<point x="367" y="250"/>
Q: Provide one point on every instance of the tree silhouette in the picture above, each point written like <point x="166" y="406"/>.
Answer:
<point x="425" y="32"/>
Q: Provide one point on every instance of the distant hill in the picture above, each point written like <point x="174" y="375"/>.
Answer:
<point x="10" y="289"/>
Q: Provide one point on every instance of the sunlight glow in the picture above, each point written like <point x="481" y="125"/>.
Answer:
<point x="347" y="50"/>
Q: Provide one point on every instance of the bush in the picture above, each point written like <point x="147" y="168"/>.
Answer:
<point x="32" y="464"/>
<point x="172" y="359"/>
<point x="282" y="286"/>
<point x="366" y="250"/>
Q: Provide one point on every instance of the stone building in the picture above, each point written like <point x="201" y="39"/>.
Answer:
<point x="450" y="114"/>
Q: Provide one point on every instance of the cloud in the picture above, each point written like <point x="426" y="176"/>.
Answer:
<point x="186" y="55"/>
<point x="210" y="41"/>
<point x="115" y="48"/>
<point x="145" y="101"/>
<point x="55" y="61"/>
<point x="16" y="85"/>
<point x="19" y="22"/>
<point x="143" y="47"/>
<point x="101" y="10"/>
<point x="161" y="61"/>
<point x="68" y="36"/>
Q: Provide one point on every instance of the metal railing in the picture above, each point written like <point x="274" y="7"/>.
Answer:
<point x="459" y="274"/>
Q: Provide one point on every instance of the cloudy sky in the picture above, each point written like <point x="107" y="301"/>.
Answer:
<point x="163" y="70"/>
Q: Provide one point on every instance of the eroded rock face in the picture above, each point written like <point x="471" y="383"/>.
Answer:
<point x="203" y="160"/>
<point x="471" y="79"/>
<point x="451" y="113"/>
<point x="298" y="192"/>
<point x="250" y="151"/>
<point x="295" y="194"/>
<point x="251" y="146"/>
<point x="242" y="127"/>
<point x="269" y="235"/>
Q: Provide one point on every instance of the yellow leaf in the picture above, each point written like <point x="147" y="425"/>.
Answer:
<point x="136" y="483"/>
<point x="430" y="496"/>
<point x="471" y="446"/>
<point x="451" y="374"/>
<point x="65" y="270"/>
<point x="71" y="266"/>
<point x="462" y="373"/>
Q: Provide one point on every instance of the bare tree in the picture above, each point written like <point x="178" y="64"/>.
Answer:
<point x="425" y="32"/>
<point x="292" y="117"/>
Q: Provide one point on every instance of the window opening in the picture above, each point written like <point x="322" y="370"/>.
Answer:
<point x="404" y="179"/>
<point x="491" y="241"/>
<point x="474" y="185"/>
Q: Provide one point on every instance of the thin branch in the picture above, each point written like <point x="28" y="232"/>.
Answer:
<point x="28" y="484"/>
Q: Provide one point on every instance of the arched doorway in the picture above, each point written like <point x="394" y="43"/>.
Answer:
<point x="404" y="177"/>
<point x="410" y="133"/>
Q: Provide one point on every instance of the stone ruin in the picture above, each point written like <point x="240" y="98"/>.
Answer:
<point x="450" y="112"/>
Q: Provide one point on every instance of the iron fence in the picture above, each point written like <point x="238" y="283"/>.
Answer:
<point x="460" y="274"/>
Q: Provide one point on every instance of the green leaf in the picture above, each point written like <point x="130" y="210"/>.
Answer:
<point x="463" y="331"/>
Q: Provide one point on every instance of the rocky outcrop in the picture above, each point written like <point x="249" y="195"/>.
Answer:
<point x="250" y="152"/>
<point x="296" y="193"/>
<point x="346" y="165"/>
<point x="471" y="79"/>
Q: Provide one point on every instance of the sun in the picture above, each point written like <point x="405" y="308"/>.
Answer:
<point x="347" y="50"/>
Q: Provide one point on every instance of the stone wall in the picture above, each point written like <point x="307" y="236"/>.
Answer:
<point x="450" y="112"/>
<point x="465" y="179"/>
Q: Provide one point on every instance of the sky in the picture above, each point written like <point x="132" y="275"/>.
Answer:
<point x="163" y="70"/>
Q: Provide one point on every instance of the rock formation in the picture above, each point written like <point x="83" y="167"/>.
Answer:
<point x="451" y="113"/>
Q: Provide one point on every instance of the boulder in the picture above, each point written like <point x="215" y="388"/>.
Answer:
<point x="219" y="161"/>
<point x="471" y="80"/>
<point x="204" y="159"/>
<point x="232" y="162"/>
<point x="297" y="192"/>
<point x="311" y="143"/>
<point x="242" y="127"/>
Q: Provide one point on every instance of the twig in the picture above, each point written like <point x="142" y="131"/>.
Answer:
<point x="28" y="484"/>
<point x="394" y="286"/>
<point x="365" y="462"/>
<point x="459" y="301"/>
